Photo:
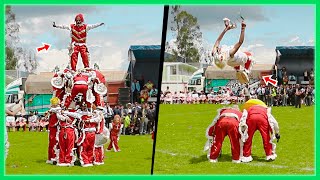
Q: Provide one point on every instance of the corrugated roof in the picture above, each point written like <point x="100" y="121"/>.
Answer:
<point x="289" y="51"/>
<point x="148" y="52"/>
<point x="213" y="72"/>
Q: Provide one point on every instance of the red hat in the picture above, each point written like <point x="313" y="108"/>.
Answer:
<point x="80" y="16"/>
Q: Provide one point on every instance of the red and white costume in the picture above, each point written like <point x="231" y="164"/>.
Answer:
<point x="175" y="98"/>
<point x="226" y="123"/>
<point x="189" y="98"/>
<point x="211" y="97"/>
<point x="78" y="35"/>
<point x="115" y="131"/>
<point x="43" y="123"/>
<point x="53" y="150"/>
<point x="87" y="138"/>
<point x="260" y="118"/>
<point x="21" y="122"/>
<point x="98" y="150"/>
<point x="59" y="90"/>
<point x="203" y="98"/>
<point x="81" y="81"/>
<point x="99" y="81"/>
<point x="195" y="97"/>
<point x="67" y="136"/>
<point x="182" y="97"/>
<point x="10" y="122"/>
<point x="162" y="97"/>
<point x="33" y="122"/>
<point x="168" y="98"/>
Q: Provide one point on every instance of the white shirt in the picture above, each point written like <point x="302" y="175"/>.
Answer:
<point x="239" y="58"/>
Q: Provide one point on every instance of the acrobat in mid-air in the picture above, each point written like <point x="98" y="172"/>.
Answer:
<point x="78" y="32"/>
<point x="233" y="56"/>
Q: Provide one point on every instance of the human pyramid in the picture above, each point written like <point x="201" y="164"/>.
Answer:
<point x="76" y="121"/>
<point x="240" y="128"/>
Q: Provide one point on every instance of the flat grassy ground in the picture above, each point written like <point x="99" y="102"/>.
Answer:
<point x="181" y="138"/>
<point x="28" y="154"/>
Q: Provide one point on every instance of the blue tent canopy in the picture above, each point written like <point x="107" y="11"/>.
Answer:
<point x="296" y="51"/>
<point x="146" y="51"/>
<point x="296" y="59"/>
<point x="144" y="63"/>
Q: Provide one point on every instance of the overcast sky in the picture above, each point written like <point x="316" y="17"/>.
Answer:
<point x="267" y="27"/>
<point x="108" y="45"/>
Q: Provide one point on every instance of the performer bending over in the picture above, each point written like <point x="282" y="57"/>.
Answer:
<point x="226" y="123"/>
<point x="260" y="118"/>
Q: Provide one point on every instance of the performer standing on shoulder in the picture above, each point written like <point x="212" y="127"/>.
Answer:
<point x="78" y="32"/>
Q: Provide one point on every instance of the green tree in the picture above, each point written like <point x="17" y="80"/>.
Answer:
<point x="11" y="39"/>
<point x="187" y="35"/>
<point x="17" y="56"/>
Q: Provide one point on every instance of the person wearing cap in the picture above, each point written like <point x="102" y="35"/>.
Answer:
<point x="232" y="56"/>
<point x="78" y="33"/>
<point x="259" y="118"/>
<point x="226" y="123"/>
<point x="53" y="123"/>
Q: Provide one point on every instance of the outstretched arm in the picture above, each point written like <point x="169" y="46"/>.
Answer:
<point x="241" y="39"/>
<point x="92" y="26"/>
<point x="61" y="26"/>
<point x="217" y="43"/>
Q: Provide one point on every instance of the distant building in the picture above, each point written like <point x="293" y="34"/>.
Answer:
<point x="176" y="75"/>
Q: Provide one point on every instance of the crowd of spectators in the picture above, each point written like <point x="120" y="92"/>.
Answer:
<point x="137" y="119"/>
<point x="283" y="95"/>
<point x="142" y="91"/>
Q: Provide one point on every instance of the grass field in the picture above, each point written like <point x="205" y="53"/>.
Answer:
<point x="28" y="153"/>
<point x="181" y="137"/>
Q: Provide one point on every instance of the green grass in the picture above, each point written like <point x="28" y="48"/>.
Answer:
<point x="28" y="153"/>
<point x="181" y="137"/>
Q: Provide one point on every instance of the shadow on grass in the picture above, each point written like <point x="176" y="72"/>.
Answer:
<point x="196" y="160"/>
<point x="223" y="158"/>
<point x="41" y="161"/>
<point x="203" y="158"/>
<point x="260" y="159"/>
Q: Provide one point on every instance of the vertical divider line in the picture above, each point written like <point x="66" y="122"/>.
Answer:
<point x="163" y="45"/>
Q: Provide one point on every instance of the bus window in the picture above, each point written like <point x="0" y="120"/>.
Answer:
<point x="8" y="99"/>
<point x="198" y="82"/>
<point x="14" y="98"/>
